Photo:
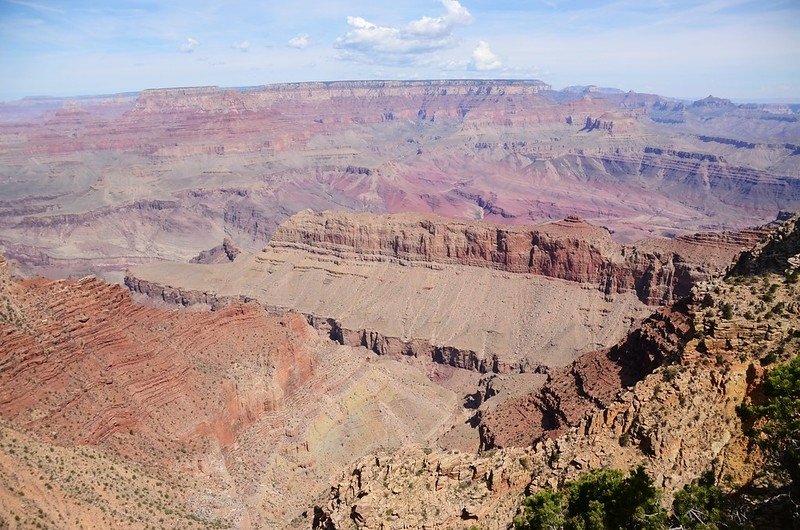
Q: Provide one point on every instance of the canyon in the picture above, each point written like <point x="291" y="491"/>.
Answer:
<point x="234" y="412"/>
<point x="235" y="417"/>
<point x="430" y="287"/>
<point x="382" y="304"/>
<point x="678" y="418"/>
<point x="94" y="185"/>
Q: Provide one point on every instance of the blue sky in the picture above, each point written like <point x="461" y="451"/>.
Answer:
<point x="729" y="48"/>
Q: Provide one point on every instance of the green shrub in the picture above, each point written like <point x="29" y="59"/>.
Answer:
<point x="708" y="301"/>
<point x="778" y="420"/>
<point x="778" y="308"/>
<point x="543" y="510"/>
<point x="727" y="311"/>
<point x="699" y="506"/>
<point x="598" y="500"/>
<point x="768" y="359"/>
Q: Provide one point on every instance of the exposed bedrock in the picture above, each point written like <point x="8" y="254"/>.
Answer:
<point x="90" y="333"/>
<point x="590" y="383"/>
<point x="696" y="176"/>
<point x="372" y="340"/>
<point x="659" y="270"/>
<point x="167" y="173"/>
<point x="593" y="381"/>
<point x="223" y="253"/>
<point x="443" y="290"/>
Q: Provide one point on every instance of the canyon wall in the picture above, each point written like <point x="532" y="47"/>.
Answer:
<point x="659" y="271"/>
<point x="441" y="290"/>
<point x="116" y="413"/>
<point x="684" y="373"/>
<point x="93" y="185"/>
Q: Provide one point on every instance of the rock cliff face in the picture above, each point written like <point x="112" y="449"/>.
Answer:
<point x="590" y="384"/>
<point x="678" y="430"/>
<point x="95" y="185"/>
<point x="225" y="252"/>
<point x="658" y="270"/>
<point x="679" y="420"/>
<point x="192" y="414"/>
<point x="779" y="252"/>
<point x="151" y="357"/>
<point x="449" y="313"/>
<point x="379" y="282"/>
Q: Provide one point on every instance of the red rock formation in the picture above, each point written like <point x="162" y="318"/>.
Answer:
<point x="589" y="384"/>
<point x="659" y="270"/>
<point x="88" y="366"/>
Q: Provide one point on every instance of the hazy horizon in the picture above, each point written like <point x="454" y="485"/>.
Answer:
<point x="777" y="100"/>
<point x="736" y="49"/>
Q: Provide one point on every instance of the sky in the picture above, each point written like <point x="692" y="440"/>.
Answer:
<point x="738" y="49"/>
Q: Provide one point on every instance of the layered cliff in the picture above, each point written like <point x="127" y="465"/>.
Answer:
<point x="90" y="331"/>
<point x="238" y="162"/>
<point x="679" y="420"/>
<point x="588" y="385"/>
<point x="452" y="314"/>
<point x="379" y="282"/>
<point x="659" y="271"/>
<point x="185" y="417"/>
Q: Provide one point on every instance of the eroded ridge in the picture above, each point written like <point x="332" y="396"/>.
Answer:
<point x="441" y="289"/>
<point x="675" y="411"/>
<point x="240" y="414"/>
<point x="658" y="270"/>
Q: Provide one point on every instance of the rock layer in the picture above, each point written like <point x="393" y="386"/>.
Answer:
<point x="427" y="287"/>
<point x="152" y="358"/>
<point x="96" y="184"/>
<point x="229" y="411"/>
<point x="659" y="270"/>
<point x="590" y="384"/>
<point x="679" y="421"/>
<point x="380" y="282"/>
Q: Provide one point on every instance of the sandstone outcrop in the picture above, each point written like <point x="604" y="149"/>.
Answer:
<point x="225" y="252"/>
<point x="593" y="380"/>
<point x="658" y="270"/>
<point x="680" y="421"/>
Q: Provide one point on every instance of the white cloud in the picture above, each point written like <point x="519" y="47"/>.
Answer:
<point x="483" y="59"/>
<point x="369" y="42"/>
<point x="189" y="46"/>
<point x="300" y="41"/>
<point x="242" y="46"/>
<point x="456" y="14"/>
